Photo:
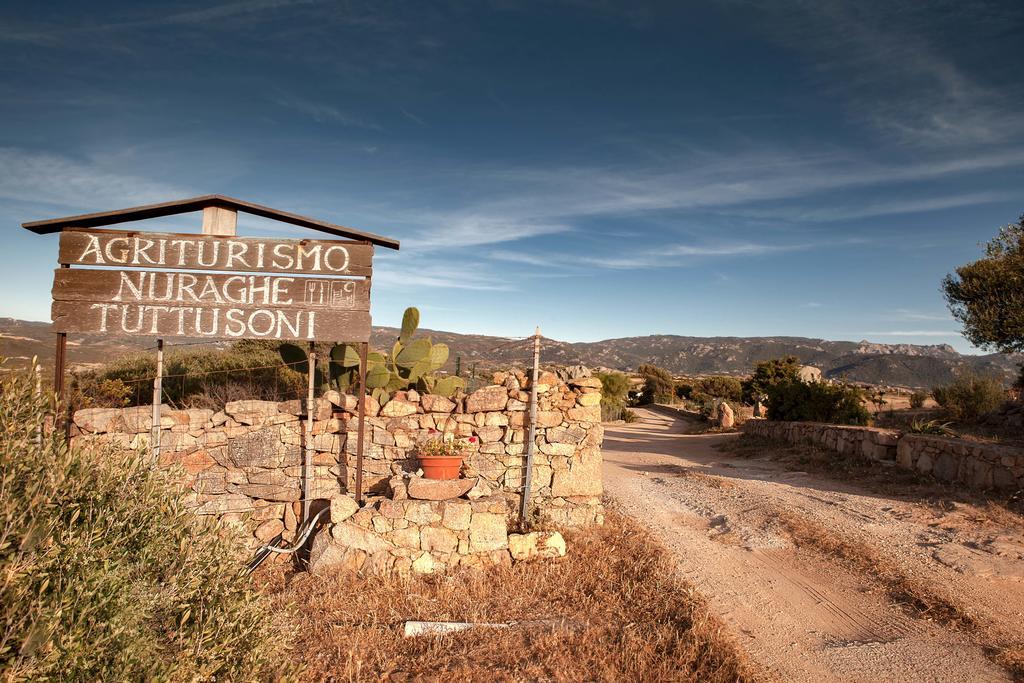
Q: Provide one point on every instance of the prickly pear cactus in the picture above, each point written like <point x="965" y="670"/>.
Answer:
<point x="413" y="364"/>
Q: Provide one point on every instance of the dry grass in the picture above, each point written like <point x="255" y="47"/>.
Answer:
<point x="891" y="481"/>
<point x="613" y="610"/>
<point x="920" y="598"/>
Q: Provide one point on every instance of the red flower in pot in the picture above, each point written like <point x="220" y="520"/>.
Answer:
<point x="440" y="456"/>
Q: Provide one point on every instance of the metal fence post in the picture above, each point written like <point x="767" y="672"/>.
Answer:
<point x="532" y="437"/>
<point x="307" y="465"/>
<point x="158" y="397"/>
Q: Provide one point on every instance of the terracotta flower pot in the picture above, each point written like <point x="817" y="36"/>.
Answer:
<point x="440" y="466"/>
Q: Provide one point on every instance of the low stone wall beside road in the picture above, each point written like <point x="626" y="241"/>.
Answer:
<point x="244" y="463"/>
<point x="973" y="464"/>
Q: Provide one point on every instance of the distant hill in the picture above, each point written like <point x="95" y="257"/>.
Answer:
<point x="906" y="365"/>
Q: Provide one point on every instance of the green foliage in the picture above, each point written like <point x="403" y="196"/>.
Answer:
<point x="718" y="386"/>
<point x="970" y="396"/>
<point x="614" y="394"/>
<point x="91" y="390"/>
<point x="816" y="402"/>
<point x="931" y="427"/>
<point x="628" y="416"/>
<point x="659" y="385"/>
<point x="987" y="296"/>
<point x="917" y="399"/>
<point x="412" y="364"/>
<point x="106" y="576"/>
<point x="768" y="373"/>
<point x="684" y="390"/>
<point x="877" y="398"/>
<point x="194" y="377"/>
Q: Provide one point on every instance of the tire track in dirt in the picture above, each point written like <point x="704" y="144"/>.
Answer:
<point x="802" y="615"/>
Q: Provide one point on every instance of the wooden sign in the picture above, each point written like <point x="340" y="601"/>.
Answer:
<point x="209" y="290"/>
<point x="263" y="294"/>
<point x="226" y="322"/>
<point x="213" y="252"/>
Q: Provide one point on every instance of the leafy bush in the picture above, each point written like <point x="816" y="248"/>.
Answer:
<point x="628" y="416"/>
<point x="105" y="575"/>
<point x="768" y="373"/>
<point x="718" y="386"/>
<point x="917" y="399"/>
<point x="659" y="385"/>
<point x="90" y="390"/>
<point x="817" y="402"/>
<point x="684" y="390"/>
<point x="970" y="396"/>
<point x="614" y="394"/>
<point x="194" y="377"/>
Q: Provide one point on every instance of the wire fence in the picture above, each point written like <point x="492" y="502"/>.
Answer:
<point x="213" y="375"/>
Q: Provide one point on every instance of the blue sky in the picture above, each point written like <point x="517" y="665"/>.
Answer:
<point x="599" y="169"/>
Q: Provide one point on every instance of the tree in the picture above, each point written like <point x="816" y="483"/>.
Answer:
<point x="719" y="386"/>
<point x="816" y="402"/>
<point x="659" y="385"/>
<point x="970" y="396"/>
<point x="614" y="394"/>
<point x="987" y="296"/>
<point x="768" y="373"/>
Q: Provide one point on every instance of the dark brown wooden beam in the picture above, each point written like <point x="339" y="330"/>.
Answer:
<point x="180" y="206"/>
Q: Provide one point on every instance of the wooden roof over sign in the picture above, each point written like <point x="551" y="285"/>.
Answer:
<point x="137" y="213"/>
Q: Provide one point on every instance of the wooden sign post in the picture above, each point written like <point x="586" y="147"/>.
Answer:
<point x="213" y="285"/>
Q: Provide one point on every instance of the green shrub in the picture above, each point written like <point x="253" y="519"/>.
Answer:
<point x="628" y="416"/>
<point x="659" y="385"/>
<point x="106" y="576"/>
<point x="684" y="390"/>
<point x="970" y="396"/>
<point x="718" y="386"/>
<point x="817" y="402"/>
<point x="614" y="394"/>
<point x="768" y="373"/>
<point x="194" y="377"/>
<point x="917" y="399"/>
<point x="931" y="427"/>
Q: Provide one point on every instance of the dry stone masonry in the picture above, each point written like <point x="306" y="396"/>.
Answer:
<point x="402" y="534"/>
<point x="244" y="463"/>
<point x="970" y="463"/>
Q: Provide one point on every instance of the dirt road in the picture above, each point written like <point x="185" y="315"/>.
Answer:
<point x="802" y="614"/>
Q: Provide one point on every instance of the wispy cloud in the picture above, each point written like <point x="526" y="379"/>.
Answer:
<point x="839" y="212"/>
<point x="78" y="184"/>
<point x="472" y="229"/>
<point x="412" y="117"/>
<point x="519" y="203"/>
<point x="322" y="112"/>
<point x="521" y="258"/>
<point x="52" y="35"/>
<point x="906" y="314"/>
<point x="438" y="275"/>
<point x="882" y="59"/>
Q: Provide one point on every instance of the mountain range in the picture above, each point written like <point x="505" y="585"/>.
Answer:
<point x="907" y="365"/>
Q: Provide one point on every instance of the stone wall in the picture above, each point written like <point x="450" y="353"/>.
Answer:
<point x="403" y="535"/>
<point x="244" y="462"/>
<point x="970" y="463"/>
